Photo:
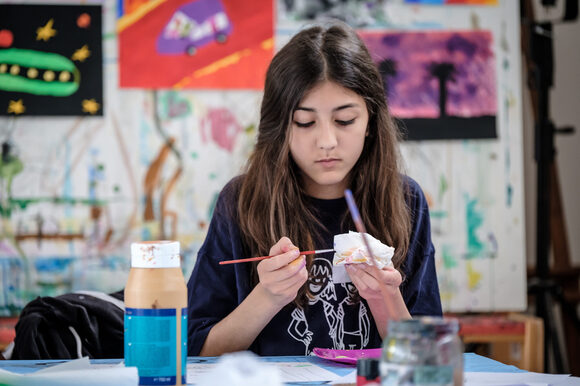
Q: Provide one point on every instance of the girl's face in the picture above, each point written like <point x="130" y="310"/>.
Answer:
<point x="327" y="136"/>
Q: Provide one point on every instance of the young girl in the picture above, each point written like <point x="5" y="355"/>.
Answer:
<point x="324" y="127"/>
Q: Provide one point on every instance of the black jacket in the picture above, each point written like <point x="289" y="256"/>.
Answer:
<point x="71" y="326"/>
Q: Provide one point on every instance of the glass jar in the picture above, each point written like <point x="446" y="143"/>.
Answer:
<point x="420" y="351"/>
<point x="449" y="345"/>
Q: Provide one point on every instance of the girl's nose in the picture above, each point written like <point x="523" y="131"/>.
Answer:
<point x="327" y="136"/>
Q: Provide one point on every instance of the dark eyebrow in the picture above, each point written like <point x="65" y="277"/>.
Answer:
<point x="305" y="109"/>
<point x="347" y="106"/>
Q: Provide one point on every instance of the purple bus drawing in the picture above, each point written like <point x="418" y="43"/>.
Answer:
<point x="194" y="25"/>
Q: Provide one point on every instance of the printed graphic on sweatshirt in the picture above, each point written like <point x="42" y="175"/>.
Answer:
<point x="338" y="304"/>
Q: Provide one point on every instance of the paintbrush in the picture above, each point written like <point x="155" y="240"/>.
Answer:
<point x="267" y="257"/>
<point x="362" y="230"/>
<point x="360" y="227"/>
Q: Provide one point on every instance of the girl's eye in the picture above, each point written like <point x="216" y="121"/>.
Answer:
<point x="304" y="124"/>
<point x="345" y="123"/>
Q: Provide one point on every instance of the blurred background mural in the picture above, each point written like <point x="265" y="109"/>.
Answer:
<point x="177" y="118"/>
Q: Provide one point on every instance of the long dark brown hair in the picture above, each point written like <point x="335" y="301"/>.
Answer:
<point x="272" y="202"/>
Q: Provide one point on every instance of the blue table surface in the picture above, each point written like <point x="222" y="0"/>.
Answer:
<point x="472" y="363"/>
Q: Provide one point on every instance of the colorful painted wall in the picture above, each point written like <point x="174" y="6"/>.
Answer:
<point x="76" y="191"/>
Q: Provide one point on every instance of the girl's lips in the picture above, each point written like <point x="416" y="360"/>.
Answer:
<point x="328" y="162"/>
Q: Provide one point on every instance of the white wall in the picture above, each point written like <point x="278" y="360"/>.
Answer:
<point x="565" y="111"/>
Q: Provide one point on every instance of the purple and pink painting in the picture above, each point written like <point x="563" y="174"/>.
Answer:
<point x="440" y="85"/>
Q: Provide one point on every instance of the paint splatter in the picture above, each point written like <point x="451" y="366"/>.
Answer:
<point x="474" y="219"/>
<point x="449" y="260"/>
<point x="173" y="106"/>
<point x="221" y="125"/>
<point x="473" y="276"/>
<point x="443" y="186"/>
<point x="212" y="205"/>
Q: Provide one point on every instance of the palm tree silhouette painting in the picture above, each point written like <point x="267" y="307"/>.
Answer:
<point x="439" y="84"/>
<point x="387" y="68"/>
<point x="443" y="72"/>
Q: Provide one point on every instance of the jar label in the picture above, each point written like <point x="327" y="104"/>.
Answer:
<point x="150" y="344"/>
<point x="398" y="374"/>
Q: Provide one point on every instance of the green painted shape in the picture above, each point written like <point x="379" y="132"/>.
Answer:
<point x="443" y="186"/>
<point x="10" y="168"/>
<point x="438" y="214"/>
<point x="36" y="59"/>
<point x="474" y="220"/>
<point x="37" y="86"/>
<point x="23" y="203"/>
<point x="448" y="260"/>
<point x="212" y="205"/>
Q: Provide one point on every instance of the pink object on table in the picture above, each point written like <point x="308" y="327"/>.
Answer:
<point x="346" y="356"/>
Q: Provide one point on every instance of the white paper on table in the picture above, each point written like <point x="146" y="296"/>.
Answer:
<point x="524" y="378"/>
<point x="303" y="372"/>
<point x="289" y="371"/>
<point x="346" y="379"/>
<point x="75" y="372"/>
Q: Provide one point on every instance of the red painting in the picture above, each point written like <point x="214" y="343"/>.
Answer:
<point x="202" y="44"/>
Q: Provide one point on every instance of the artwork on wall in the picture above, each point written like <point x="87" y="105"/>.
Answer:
<point x="205" y="44"/>
<point x="76" y="193"/>
<point x="50" y="60"/>
<point x="439" y="84"/>
<point x="461" y="2"/>
<point x="356" y="13"/>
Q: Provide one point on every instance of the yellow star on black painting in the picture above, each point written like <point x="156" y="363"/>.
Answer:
<point x="45" y="32"/>
<point x="81" y="54"/>
<point x="90" y="106"/>
<point x="16" y="107"/>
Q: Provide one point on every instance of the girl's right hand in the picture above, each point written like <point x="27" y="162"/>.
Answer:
<point x="282" y="275"/>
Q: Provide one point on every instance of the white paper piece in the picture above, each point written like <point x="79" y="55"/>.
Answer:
<point x="75" y="372"/>
<point x="350" y="248"/>
<point x="339" y="274"/>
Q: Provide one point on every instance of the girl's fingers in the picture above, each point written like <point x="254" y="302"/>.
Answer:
<point x="355" y="277"/>
<point x="387" y="275"/>
<point x="371" y="281"/>
<point x="273" y="273"/>
<point x="295" y="281"/>
<point x="362" y="279"/>
<point x="282" y="246"/>
<point x="290" y="283"/>
<point x="281" y="260"/>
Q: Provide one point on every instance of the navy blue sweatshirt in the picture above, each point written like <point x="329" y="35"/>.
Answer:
<point x="335" y="318"/>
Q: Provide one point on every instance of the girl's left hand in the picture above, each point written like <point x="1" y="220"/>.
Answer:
<point x="366" y="279"/>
